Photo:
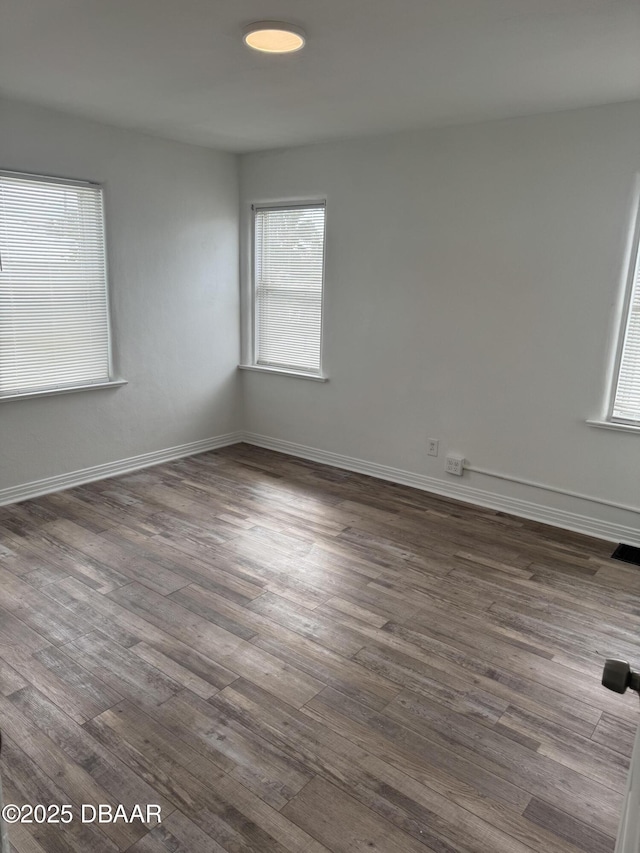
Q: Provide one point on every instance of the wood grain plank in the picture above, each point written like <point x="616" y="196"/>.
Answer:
<point x="616" y="734"/>
<point x="439" y="806"/>
<point x="343" y="825"/>
<point x="293" y="658"/>
<point x="24" y="782"/>
<point x="587" y="838"/>
<point x="407" y="750"/>
<point x="543" y="776"/>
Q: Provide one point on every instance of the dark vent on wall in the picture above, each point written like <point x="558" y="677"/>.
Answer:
<point x="628" y="554"/>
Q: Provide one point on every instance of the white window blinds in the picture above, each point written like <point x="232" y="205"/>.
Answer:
<point x="626" y="406"/>
<point x="54" y="330"/>
<point x="289" y="271"/>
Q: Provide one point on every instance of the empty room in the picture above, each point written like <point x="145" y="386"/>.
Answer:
<point x="319" y="426"/>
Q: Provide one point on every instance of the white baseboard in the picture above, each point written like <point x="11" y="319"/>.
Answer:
<point x="531" y="510"/>
<point x="36" y="488"/>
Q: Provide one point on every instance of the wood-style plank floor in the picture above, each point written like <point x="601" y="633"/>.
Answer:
<point x="288" y="657"/>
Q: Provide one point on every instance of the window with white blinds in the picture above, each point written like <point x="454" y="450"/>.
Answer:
<point x="289" y="273"/>
<point x="626" y="404"/>
<point x="54" y="329"/>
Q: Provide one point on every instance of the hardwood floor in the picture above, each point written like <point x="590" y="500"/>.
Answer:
<point x="288" y="657"/>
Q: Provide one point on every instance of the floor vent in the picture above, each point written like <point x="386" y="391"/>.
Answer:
<point x="628" y="554"/>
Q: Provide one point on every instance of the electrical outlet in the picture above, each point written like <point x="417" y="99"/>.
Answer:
<point x="432" y="446"/>
<point x="455" y="465"/>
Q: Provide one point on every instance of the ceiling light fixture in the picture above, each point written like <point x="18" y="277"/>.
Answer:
<point x="273" y="37"/>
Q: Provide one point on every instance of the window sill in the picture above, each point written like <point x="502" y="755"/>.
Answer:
<point x="614" y="425"/>
<point x="91" y="386"/>
<point x="279" y="371"/>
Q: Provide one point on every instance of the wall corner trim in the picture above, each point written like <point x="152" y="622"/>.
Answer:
<point x="36" y="488"/>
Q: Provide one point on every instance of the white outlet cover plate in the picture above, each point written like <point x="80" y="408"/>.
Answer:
<point x="455" y="465"/>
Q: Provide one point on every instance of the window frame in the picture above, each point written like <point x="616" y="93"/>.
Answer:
<point x="317" y="375"/>
<point x="632" y="275"/>
<point x="112" y="381"/>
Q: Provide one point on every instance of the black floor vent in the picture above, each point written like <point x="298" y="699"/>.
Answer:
<point x="628" y="554"/>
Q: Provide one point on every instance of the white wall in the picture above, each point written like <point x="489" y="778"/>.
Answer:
<point x="471" y="279"/>
<point x="171" y="216"/>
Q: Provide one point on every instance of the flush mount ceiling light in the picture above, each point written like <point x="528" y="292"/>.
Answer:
<point x="273" y="37"/>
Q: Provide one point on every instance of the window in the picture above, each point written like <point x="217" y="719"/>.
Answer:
<point x="54" y="329"/>
<point x="288" y="283"/>
<point x="626" y="396"/>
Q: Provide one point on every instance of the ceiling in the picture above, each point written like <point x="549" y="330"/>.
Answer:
<point x="177" y="68"/>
